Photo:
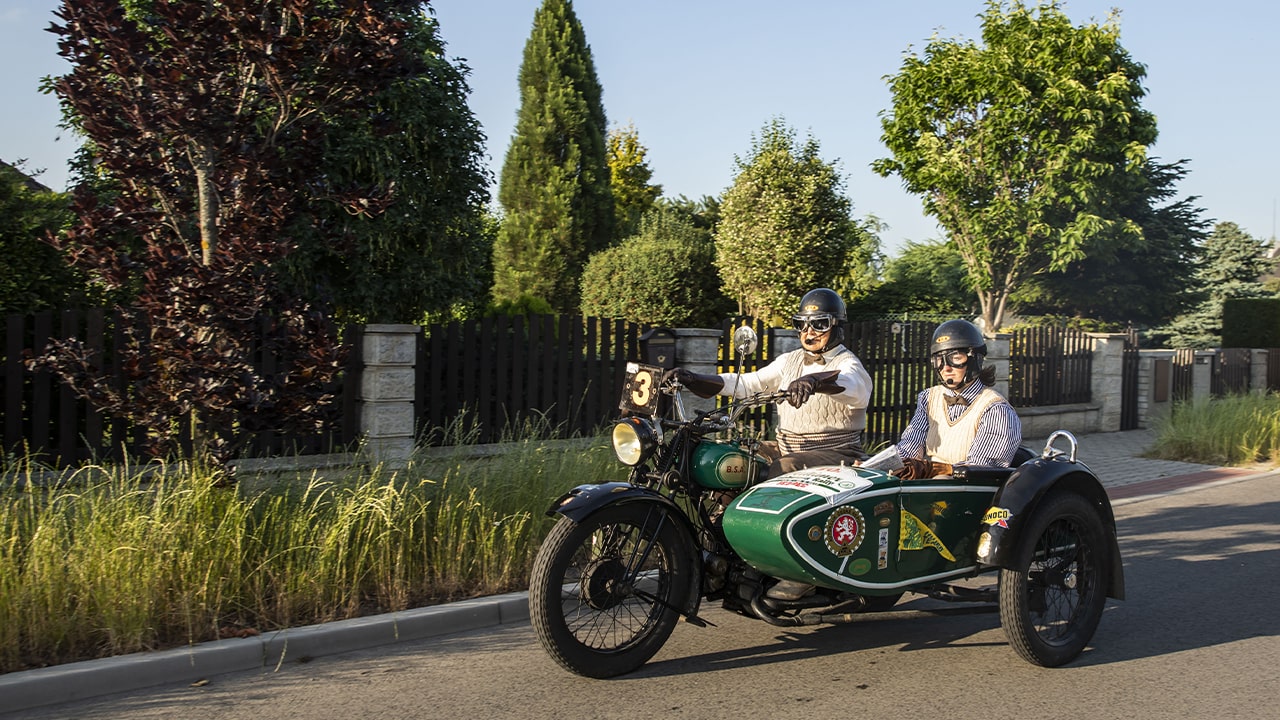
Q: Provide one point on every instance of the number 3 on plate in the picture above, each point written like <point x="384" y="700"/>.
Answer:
<point x="642" y="388"/>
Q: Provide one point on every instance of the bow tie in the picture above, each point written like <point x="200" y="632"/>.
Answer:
<point x="956" y="400"/>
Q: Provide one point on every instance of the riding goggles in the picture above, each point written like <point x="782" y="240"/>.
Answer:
<point x="819" y="323"/>
<point x="954" y="358"/>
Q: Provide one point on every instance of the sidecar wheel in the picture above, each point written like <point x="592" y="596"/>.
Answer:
<point x="604" y="593"/>
<point x="1051" y="597"/>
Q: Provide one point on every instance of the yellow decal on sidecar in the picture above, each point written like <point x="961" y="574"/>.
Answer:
<point x="917" y="536"/>
<point x="997" y="516"/>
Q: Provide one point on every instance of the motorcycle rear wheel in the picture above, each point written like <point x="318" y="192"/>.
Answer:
<point x="1051" y="597"/>
<point x="604" y="593"/>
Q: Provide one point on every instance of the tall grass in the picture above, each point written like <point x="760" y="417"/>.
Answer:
<point x="123" y="558"/>
<point x="1233" y="430"/>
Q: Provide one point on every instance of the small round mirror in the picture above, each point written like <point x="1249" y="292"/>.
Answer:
<point x="745" y="340"/>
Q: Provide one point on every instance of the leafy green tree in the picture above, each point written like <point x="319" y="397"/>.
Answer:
<point x="863" y="262"/>
<point x="554" y="187"/>
<point x="629" y="177"/>
<point x="429" y="251"/>
<point x="785" y="225"/>
<point x="210" y="122"/>
<point x="1018" y="146"/>
<point x="923" y="279"/>
<point x="660" y="276"/>
<point x="1140" y="279"/>
<point x="703" y="213"/>
<point x="1233" y="264"/>
<point x="33" y="275"/>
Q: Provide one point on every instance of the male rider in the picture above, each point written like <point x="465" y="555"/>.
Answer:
<point x="827" y="394"/>
<point x="962" y="421"/>
<point x="827" y="390"/>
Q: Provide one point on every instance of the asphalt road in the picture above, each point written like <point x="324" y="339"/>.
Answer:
<point x="1195" y="638"/>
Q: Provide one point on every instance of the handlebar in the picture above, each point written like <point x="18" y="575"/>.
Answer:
<point x="723" y="418"/>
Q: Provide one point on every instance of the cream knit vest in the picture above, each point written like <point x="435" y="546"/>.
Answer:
<point x="821" y="413"/>
<point x="949" y="441"/>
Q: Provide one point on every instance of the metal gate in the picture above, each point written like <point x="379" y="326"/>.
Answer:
<point x="1231" y="372"/>
<point x="1129" y="382"/>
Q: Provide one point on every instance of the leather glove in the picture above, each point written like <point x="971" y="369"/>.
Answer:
<point x="803" y="387"/>
<point x="914" y="469"/>
<point x="701" y="385"/>
<point x="917" y="469"/>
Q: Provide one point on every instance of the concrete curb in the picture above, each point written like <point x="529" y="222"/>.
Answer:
<point x="92" y="678"/>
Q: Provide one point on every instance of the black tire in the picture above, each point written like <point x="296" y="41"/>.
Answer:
<point x="1051" y="598"/>
<point x="588" y="615"/>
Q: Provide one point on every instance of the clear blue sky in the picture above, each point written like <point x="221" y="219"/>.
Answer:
<point x="698" y="78"/>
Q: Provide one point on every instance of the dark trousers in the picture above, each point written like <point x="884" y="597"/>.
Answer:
<point x="780" y="464"/>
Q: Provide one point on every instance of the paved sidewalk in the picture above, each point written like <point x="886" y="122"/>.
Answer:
<point x="1114" y="457"/>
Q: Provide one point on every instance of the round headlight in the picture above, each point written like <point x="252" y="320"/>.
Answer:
<point x="633" y="440"/>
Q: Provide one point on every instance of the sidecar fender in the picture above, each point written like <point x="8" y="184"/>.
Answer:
<point x="1033" y="481"/>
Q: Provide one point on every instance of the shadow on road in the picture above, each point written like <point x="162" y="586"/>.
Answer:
<point x="1196" y="576"/>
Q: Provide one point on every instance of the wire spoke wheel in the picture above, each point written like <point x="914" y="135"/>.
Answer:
<point x="1051" y="598"/>
<point x="605" y="593"/>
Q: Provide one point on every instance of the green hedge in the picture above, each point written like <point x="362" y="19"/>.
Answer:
<point x="1251" y="323"/>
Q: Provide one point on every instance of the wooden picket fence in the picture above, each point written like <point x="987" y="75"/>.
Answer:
<point x="487" y="378"/>
<point x="44" y="420"/>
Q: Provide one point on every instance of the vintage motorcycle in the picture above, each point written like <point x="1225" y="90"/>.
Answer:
<point x="698" y="519"/>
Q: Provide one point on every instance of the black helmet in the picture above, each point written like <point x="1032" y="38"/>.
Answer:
<point x="958" y="336"/>
<point x="821" y="301"/>
<point x="824" y="310"/>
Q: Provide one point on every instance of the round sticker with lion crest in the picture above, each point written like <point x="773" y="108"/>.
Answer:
<point x="845" y="530"/>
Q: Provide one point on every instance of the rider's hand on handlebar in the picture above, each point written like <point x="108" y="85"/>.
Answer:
<point x="801" y="389"/>
<point x="700" y="385"/>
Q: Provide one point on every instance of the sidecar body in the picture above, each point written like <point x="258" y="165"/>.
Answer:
<point x="868" y="532"/>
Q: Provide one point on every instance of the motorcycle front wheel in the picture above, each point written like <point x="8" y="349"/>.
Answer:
<point x="605" y="592"/>
<point x="1052" y="595"/>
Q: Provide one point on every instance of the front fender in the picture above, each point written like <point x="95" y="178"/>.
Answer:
<point x="586" y="499"/>
<point x="583" y="500"/>
<point x="1015" y="501"/>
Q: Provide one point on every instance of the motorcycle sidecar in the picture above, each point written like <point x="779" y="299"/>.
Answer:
<point x="1046" y="526"/>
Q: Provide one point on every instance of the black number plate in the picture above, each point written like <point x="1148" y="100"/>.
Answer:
<point x="640" y="389"/>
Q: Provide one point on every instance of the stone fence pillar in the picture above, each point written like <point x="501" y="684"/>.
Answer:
<point x="697" y="350"/>
<point x="785" y="340"/>
<point x="1155" y="386"/>
<point x="1258" y="370"/>
<point x="1108" y="379"/>
<point x="387" y="391"/>
<point x="998" y="349"/>
<point x="1202" y="375"/>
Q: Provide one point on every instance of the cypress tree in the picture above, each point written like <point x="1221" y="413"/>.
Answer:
<point x="554" y="188"/>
